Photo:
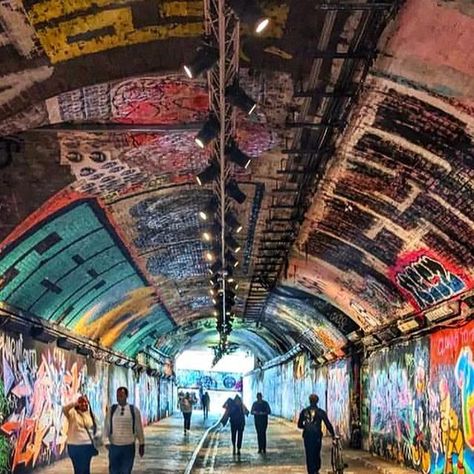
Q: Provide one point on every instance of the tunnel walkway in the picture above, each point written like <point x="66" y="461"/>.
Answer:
<point x="168" y="451"/>
<point x="285" y="454"/>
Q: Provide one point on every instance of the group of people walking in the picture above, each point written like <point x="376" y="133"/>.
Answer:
<point x="122" y="428"/>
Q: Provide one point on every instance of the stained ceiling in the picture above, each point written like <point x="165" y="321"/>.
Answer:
<point x="359" y="207"/>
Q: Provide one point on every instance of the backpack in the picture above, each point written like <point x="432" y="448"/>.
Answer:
<point x="112" y="411"/>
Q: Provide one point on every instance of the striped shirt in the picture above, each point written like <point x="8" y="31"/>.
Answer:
<point x="122" y="429"/>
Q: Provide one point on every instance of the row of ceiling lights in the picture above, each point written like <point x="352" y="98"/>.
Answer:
<point x="222" y="282"/>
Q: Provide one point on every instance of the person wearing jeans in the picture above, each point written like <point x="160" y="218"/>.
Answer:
<point x="260" y="411"/>
<point x="310" y="421"/>
<point x="123" y="426"/>
<point x="237" y="413"/>
<point x="81" y="429"/>
<point x="186" y="407"/>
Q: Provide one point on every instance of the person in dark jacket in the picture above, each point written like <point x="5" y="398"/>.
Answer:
<point x="237" y="413"/>
<point x="309" y="421"/>
<point x="260" y="411"/>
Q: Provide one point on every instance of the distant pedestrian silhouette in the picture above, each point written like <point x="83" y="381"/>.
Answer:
<point x="205" y="401"/>
<point x="260" y="411"/>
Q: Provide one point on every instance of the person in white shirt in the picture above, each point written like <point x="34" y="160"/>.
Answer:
<point x="123" y="426"/>
<point x="81" y="429"/>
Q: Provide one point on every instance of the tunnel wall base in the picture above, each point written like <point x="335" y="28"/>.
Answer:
<point x="38" y="379"/>
<point x="417" y="399"/>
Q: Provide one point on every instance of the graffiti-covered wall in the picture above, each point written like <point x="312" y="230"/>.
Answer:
<point x="209" y="380"/>
<point x="419" y="402"/>
<point x="287" y="388"/>
<point x="37" y="380"/>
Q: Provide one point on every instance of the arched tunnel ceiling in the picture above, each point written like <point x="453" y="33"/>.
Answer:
<point x="100" y="230"/>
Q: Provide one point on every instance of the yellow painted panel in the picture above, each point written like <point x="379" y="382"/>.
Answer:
<point x="55" y="39"/>
<point x="53" y="9"/>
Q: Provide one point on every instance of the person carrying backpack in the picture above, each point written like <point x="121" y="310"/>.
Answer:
<point x="186" y="407"/>
<point x="309" y="421"/>
<point x="123" y="426"/>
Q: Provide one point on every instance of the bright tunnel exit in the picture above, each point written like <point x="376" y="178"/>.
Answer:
<point x="196" y="374"/>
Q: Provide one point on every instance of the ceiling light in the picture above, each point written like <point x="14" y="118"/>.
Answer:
<point x="233" y="244"/>
<point x="208" y="174"/>
<point x="239" y="98"/>
<point x="249" y="12"/>
<point x="215" y="313"/>
<point x="408" y="325"/>
<point x="209" y="256"/>
<point x="214" y="301"/>
<point x="232" y="222"/>
<point x="206" y="56"/>
<point x="235" y="192"/>
<point x="230" y="280"/>
<point x="206" y="236"/>
<point x="216" y="267"/>
<point x="208" y="132"/>
<point x="211" y="292"/>
<point x="236" y="287"/>
<point x="211" y="208"/>
<point x="230" y="259"/>
<point x="237" y="156"/>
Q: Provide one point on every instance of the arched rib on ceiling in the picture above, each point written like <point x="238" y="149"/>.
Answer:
<point x="202" y="333"/>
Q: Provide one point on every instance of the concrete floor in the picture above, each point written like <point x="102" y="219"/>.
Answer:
<point x="168" y="451"/>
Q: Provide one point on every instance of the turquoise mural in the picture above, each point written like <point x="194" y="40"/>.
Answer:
<point x="73" y="269"/>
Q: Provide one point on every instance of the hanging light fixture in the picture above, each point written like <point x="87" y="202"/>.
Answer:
<point x="232" y="222"/>
<point x="210" y="209"/>
<point x="206" y="56"/>
<point x="231" y="259"/>
<point x="250" y="13"/>
<point x="233" y="244"/>
<point x="235" y="192"/>
<point x="208" y="174"/>
<point x="215" y="267"/>
<point x="237" y="156"/>
<point x="208" y="132"/>
<point x="239" y="98"/>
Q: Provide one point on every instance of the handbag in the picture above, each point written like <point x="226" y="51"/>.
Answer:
<point x="94" y="450"/>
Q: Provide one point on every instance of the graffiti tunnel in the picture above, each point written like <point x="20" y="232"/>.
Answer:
<point x="293" y="211"/>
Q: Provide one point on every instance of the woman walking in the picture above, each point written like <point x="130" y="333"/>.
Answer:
<point x="81" y="429"/>
<point x="186" y="406"/>
<point x="237" y="413"/>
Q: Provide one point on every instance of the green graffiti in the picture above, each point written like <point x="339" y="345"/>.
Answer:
<point x="5" y="447"/>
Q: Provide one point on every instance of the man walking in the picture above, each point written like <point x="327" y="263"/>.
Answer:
<point x="206" y="401"/>
<point x="260" y="411"/>
<point x="123" y="425"/>
<point x="310" y="422"/>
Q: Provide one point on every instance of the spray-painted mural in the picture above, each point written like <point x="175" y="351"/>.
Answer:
<point x="287" y="388"/>
<point x="338" y="399"/>
<point x="227" y="381"/>
<point x="420" y="398"/>
<point x="37" y="380"/>
<point x="72" y="269"/>
<point x="398" y="404"/>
